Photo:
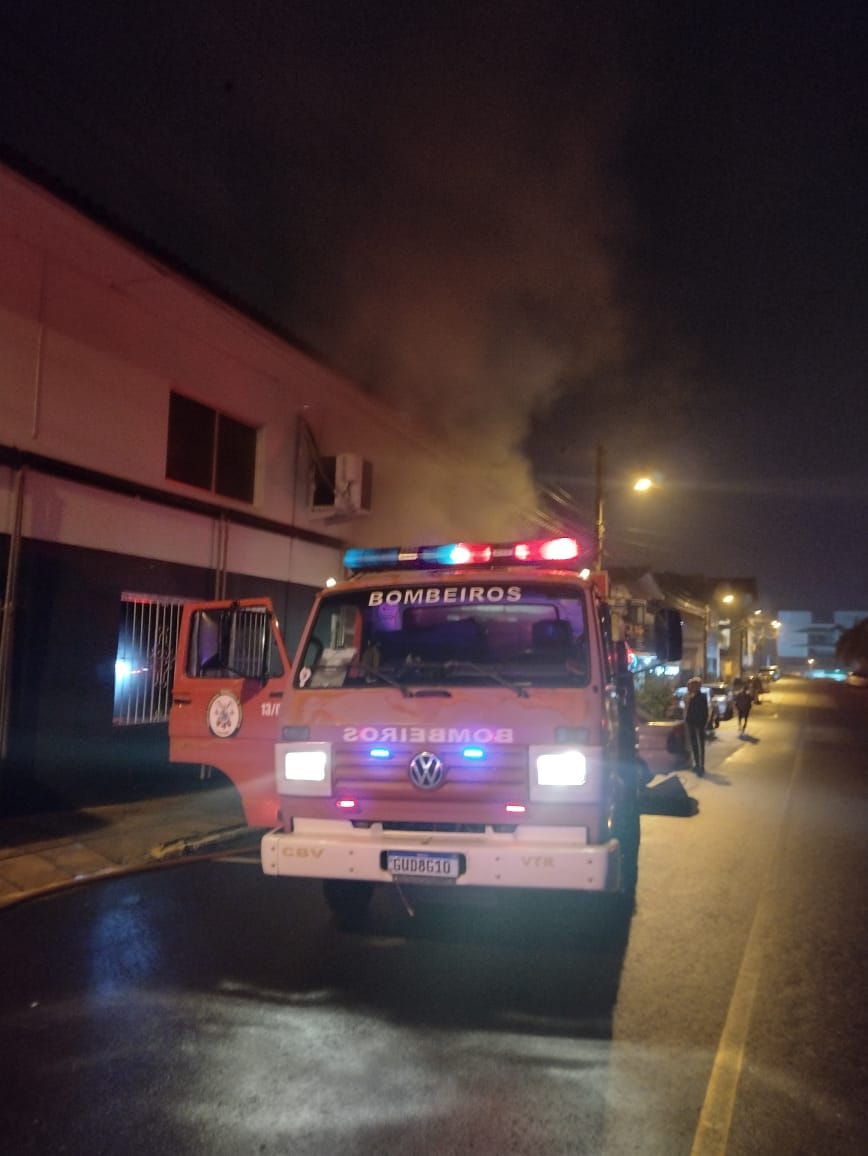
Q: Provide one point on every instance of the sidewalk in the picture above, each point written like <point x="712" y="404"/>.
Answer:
<point x="45" y="852"/>
<point x="45" y="849"/>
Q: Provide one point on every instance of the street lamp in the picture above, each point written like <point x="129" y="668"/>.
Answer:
<point x="640" y="486"/>
<point x="598" y="504"/>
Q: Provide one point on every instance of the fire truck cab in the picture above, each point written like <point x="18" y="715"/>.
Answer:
<point x="458" y="714"/>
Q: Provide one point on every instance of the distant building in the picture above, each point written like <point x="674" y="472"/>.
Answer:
<point x="807" y="639"/>
<point x="724" y="632"/>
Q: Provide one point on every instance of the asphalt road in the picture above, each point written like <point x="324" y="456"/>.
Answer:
<point x="206" y="1009"/>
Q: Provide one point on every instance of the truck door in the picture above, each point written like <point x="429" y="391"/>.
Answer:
<point x="231" y="673"/>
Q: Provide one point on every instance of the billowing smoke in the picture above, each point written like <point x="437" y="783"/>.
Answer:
<point x="426" y="195"/>
<point x="479" y="281"/>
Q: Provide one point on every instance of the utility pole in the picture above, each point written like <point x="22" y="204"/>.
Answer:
<point x="600" y="524"/>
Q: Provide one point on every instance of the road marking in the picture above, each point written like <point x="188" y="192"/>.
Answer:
<point x="715" y="1118"/>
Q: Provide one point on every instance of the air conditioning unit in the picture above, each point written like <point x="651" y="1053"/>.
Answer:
<point x="341" y="487"/>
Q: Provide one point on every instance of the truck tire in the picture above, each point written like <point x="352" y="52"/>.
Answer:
<point x="610" y="913"/>
<point x="627" y="830"/>
<point x="348" y="902"/>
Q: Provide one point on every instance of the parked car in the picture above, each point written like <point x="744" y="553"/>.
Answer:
<point x="722" y="697"/>
<point x="720" y="702"/>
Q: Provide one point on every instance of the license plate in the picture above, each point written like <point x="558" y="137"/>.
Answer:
<point x="423" y="864"/>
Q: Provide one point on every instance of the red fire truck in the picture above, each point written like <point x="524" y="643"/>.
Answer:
<point x="458" y="714"/>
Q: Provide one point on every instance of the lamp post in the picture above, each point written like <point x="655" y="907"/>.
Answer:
<point x="640" y="485"/>
<point x="600" y="467"/>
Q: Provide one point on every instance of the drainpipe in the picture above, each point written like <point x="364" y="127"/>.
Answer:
<point x="221" y="556"/>
<point x="7" y="622"/>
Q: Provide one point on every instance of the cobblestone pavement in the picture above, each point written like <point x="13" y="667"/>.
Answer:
<point x="44" y="852"/>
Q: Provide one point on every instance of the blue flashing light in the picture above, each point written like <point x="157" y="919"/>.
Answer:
<point x="456" y="554"/>
<point x="441" y="555"/>
<point x="380" y="753"/>
<point x="363" y="558"/>
<point x="462" y="554"/>
<point x="473" y="753"/>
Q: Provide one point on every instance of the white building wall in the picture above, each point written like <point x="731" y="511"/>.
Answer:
<point x="94" y="336"/>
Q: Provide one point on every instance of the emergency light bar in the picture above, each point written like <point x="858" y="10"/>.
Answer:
<point x="462" y="554"/>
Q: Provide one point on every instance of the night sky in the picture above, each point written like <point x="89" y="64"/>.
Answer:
<point x="538" y="226"/>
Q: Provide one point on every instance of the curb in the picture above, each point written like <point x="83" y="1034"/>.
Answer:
<point x="196" y="844"/>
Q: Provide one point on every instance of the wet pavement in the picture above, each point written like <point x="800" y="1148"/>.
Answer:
<point x="57" y="844"/>
<point x="48" y="850"/>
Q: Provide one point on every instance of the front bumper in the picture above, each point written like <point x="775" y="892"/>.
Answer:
<point x="530" y="857"/>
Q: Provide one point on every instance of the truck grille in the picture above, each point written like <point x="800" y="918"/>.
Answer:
<point x="441" y="828"/>
<point x="502" y="773"/>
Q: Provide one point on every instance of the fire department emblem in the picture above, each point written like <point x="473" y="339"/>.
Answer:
<point x="224" y="715"/>
<point x="427" y="771"/>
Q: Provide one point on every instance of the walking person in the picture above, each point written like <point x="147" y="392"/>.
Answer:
<point x="743" y="702"/>
<point x="696" y="716"/>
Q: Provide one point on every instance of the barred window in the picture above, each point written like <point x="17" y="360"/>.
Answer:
<point x="145" y="661"/>
<point x="236" y="643"/>
<point x="211" y="450"/>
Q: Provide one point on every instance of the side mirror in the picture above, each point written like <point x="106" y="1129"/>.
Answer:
<point x="622" y="664"/>
<point x="667" y="635"/>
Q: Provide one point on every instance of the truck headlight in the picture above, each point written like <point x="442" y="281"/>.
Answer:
<point x="554" y="772"/>
<point x="561" y="769"/>
<point x="303" y="768"/>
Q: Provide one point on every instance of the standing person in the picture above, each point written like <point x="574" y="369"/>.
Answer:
<point x="696" y="716"/>
<point x="743" y="703"/>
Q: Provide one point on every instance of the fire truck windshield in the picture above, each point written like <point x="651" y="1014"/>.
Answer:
<point x="519" y="634"/>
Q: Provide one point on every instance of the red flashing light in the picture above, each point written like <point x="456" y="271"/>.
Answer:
<point x="463" y="554"/>
<point x="559" y="550"/>
<point x="515" y="808"/>
<point x="548" y="550"/>
<point x="346" y="804"/>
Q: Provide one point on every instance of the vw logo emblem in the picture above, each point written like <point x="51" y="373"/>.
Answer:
<point x="426" y="771"/>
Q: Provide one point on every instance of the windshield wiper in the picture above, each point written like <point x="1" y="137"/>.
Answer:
<point x="487" y="672"/>
<point x="374" y="672"/>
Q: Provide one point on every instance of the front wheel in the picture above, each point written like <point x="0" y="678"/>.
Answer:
<point x="348" y="901"/>
<point x="628" y="832"/>
<point x="611" y="912"/>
